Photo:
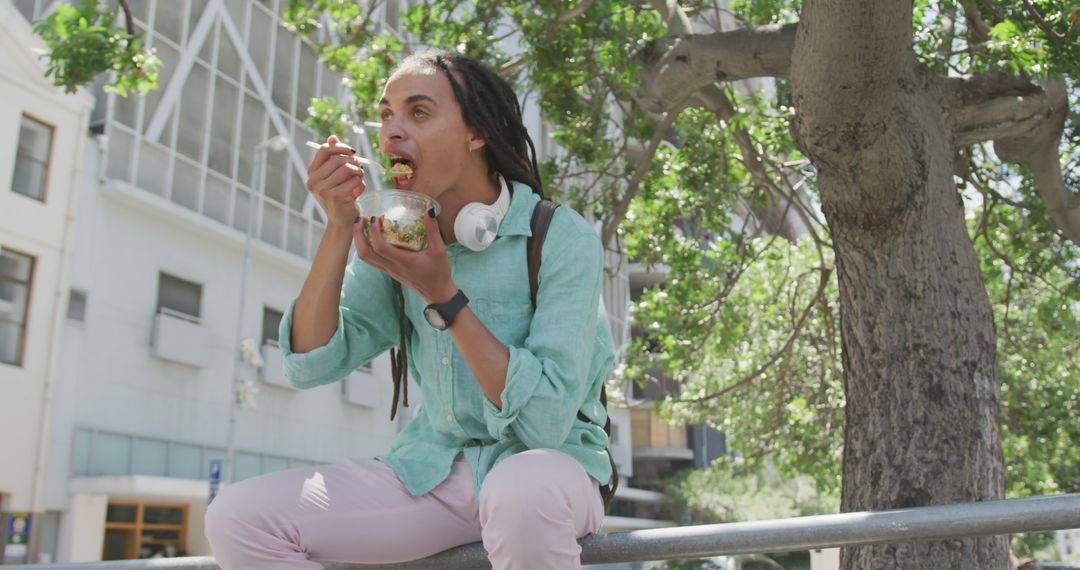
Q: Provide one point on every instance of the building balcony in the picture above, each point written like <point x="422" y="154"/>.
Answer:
<point x="650" y="435"/>
<point x="181" y="338"/>
<point x="658" y="449"/>
<point x="666" y="454"/>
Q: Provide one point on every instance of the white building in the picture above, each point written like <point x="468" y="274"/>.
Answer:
<point x="1068" y="543"/>
<point x="144" y="381"/>
<point x="40" y="128"/>
<point x="138" y="401"/>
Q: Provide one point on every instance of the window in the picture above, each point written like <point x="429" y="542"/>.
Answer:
<point x="271" y="322"/>
<point x="32" y="159"/>
<point x="16" y="273"/>
<point x="27" y="9"/>
<point x="77" y="306"/>
<point x="179" y="296"/>
<point x="139" y="529"/>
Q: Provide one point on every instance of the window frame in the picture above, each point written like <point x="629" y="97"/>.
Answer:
<point x="45" y="166"/>
<point x="265" y="340"/>
<point x="162" y="308"/>
<point x="73" y="294"/>
<point x="135" y="529"/>
<point x="20" y="352"/>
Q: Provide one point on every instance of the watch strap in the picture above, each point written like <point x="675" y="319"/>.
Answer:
<point x="451" y="308"/>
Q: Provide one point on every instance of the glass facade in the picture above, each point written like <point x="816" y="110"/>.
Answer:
<point x="231" y="77"/>
<point x="99" y="453"/>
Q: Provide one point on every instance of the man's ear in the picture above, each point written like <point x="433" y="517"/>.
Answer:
<point x="475" y="141"/>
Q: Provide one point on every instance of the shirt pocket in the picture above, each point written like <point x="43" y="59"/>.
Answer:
<point x="508" y="321"/>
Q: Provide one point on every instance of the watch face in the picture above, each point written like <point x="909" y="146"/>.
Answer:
<point x="434" y="318"/>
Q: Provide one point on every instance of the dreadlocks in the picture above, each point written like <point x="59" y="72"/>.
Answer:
<point x="489" y="105"/>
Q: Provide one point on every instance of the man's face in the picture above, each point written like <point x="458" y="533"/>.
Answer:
<point x="422" y="127"/>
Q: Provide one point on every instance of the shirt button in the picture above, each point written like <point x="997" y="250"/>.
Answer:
<point x="450" y="419"/>
<point x="445" y="360"/>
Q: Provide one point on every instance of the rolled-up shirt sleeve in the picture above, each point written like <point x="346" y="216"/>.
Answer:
<point x="548" y="378"/>
<point x="367" y="326"/>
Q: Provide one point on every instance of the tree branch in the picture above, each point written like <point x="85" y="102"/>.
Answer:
<point x="662" y="7"/>
<point x="678" y="23"/>
<point x="715" y="100"/>
<point x="643" y="166"/>
<point x="1045" y="27"/>
<point x="511" y="67"/>
<point x="975" y="20"/>
<point x="129" y="20"/>
<point x="575" y="11"/>
<point x="675" y="66"/>
<point x="948" y="23"/>
<point x="1026" y="123"/>
<point x="995" y="106"/>
<point x="825" y="273"/>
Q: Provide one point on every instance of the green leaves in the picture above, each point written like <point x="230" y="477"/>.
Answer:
<point x="758" y="12"/>
<point x="1005" y="31"/>
<point x="1036" y="38"/>
<point x="1020" y="51"/>
<point x="328" y="117"/>
<point x="84" y="42"/>
<point x="755" y="346"/>
<point x="1033" y="278"/>
<point x="728" y="493"/>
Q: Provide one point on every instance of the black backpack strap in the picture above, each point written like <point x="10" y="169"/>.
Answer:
<point x="541" y="220"/>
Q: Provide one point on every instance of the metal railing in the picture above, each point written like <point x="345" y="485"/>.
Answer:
<point x="1034" y="514"/>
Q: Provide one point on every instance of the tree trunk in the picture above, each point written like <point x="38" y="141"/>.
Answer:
<point x="920" y="370"/>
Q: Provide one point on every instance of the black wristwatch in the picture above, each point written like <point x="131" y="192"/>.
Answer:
<point x="441" y="315"/>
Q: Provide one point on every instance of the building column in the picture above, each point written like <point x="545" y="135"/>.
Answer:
<point x="82" y="529"/>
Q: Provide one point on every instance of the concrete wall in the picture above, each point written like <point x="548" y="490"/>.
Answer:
<point x="82" y="529"/>
<point x="40" y="229"/>
<point x="110" y="380"/>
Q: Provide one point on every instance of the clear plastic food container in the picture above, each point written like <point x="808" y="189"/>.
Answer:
<point x="403" y="215"/>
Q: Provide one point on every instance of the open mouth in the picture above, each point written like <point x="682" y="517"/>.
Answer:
<point x="401" y="168"/>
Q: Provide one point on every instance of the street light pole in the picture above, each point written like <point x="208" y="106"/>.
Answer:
<point x="276" y="144"/>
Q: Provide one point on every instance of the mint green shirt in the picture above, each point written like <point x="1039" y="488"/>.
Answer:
<point x="559" y="354"/>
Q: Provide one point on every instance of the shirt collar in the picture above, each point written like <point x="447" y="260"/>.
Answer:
<point x="518" y="218"/>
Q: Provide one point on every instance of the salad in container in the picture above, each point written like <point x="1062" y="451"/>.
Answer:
<point x="402" y="213"/>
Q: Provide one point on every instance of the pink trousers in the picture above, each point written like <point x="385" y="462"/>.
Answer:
<point x="533" y="508"/>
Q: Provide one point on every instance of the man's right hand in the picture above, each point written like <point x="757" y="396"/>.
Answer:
<point x="336" y="179"/>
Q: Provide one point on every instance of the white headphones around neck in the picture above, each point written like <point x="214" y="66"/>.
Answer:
<point x="477" y="223"/>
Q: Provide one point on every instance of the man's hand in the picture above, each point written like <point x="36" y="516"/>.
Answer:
<point x="336" y="178"/>
<point x="427" y="272"/>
